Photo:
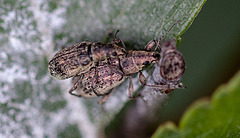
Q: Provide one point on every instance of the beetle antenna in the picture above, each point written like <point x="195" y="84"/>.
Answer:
<point x="115" y="35"/>
<point x="160" y="39"/>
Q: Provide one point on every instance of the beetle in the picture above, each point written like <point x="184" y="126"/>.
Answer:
<point x="172" y="67"/>
<point x="81" y="57"/>
<point x="92" y="84"/>
<point x="98" y="81"/>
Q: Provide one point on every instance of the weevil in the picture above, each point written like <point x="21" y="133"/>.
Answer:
<point x="98" y="81"/>
<point x="81" y="57"/>
<point x="172" y="68"/>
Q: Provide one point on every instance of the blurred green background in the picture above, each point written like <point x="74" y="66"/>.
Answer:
<point x="211" y="49"/>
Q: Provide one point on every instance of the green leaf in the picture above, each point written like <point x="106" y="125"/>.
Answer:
<point x="138" y="21"/>
<point x="218" y="117"/>
<point x="169" y="130"/>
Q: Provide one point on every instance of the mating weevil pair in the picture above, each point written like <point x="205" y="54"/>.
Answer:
<point x="96" y="67"/>
<point x="109" y="75"/>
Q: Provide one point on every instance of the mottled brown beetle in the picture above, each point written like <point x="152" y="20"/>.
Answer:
<point x="92" y="84"/>
<point x="172" y="67"/>
<point x="79" y="58"/>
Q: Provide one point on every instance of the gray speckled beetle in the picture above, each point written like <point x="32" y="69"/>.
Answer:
<point x="79" y="58"/>
<point x="97" y="81"/>
<point x="172" y="67"/>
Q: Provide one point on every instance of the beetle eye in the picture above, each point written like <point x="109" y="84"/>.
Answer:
<point x="156" y="55"/>
<point x="146" y="62"/>
<point x="114" y="53"/>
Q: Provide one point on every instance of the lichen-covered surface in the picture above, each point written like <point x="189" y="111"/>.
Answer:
<point x="35" y="105"/>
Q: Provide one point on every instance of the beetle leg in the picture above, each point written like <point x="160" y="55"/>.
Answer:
<point x="74" y="87"/>
<point x="117" y="40"/>
<point x="122" y="44"/>
<point x="115" y="35"/>
<point x="142" y="78"/>
<point x="105" y="98"/>
<point x="130" y="88"/>
<point x="166" y="88"/>
<point x="96" y="92"/>
<point x="160" y="39"/>
<point x="150" y="45"/>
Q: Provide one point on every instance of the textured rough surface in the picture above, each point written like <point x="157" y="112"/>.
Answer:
<point x="172" y="64"/>
<point x="71" y="60"/>
<point x="100" y="79"/>
<point x="81" y="57"/>
<point x="134" y="61"/>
